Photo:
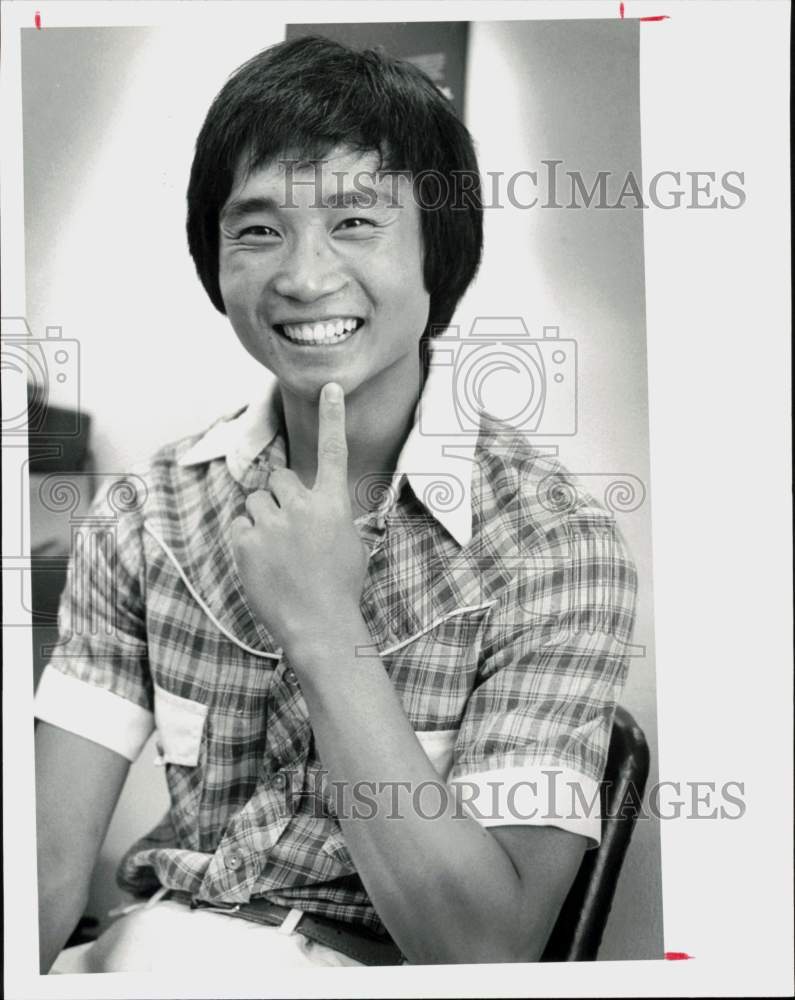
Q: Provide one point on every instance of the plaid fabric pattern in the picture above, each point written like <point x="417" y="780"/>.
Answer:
<point x="516" y="643"/>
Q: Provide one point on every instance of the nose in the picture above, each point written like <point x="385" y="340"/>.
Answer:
<point x="309" y="270"/>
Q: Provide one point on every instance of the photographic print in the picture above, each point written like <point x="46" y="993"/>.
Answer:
<point x="335" y="484"/>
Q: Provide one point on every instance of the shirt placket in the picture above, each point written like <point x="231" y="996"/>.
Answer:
<point x="241" y="857"/>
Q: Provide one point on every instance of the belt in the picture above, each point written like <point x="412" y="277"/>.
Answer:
<point x="359" y="943"/>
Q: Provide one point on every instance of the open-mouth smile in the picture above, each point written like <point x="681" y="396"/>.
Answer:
<point x="320" y="333"/>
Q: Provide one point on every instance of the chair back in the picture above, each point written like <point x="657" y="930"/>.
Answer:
<point x="578" y="931"/>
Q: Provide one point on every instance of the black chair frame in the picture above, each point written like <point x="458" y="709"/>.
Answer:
<point x="578" y="931"/>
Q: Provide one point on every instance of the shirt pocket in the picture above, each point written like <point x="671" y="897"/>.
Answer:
<point x="180" y="728"/>
<point x="181" y="724"/>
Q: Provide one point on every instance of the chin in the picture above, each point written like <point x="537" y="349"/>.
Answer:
<point x="307" y="385"/>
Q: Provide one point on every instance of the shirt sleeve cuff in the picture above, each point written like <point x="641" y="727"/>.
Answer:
<point x="535" y="795"/>
<point x="92" y="712"/>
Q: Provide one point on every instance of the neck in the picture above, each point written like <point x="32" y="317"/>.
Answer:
<point x="378" y="418"/>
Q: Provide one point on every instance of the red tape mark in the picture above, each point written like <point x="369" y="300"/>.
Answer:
<point x="37" y="20"/>
<point x="676" y="956"/>
<point x="653" y="17"/>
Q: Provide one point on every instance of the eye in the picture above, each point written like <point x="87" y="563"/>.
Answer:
<point x="354" y="225"/>
<point x="256" y="234"/>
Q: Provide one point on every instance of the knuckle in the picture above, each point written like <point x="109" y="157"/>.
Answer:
<point x="254" y="502"/>
<point x="285" y="478"/>
<point x="239" y="529"/>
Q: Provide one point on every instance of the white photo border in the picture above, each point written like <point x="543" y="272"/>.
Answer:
<point x="714" y="96"/>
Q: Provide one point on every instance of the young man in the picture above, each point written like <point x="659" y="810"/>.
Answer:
<point x="363" y="697"/>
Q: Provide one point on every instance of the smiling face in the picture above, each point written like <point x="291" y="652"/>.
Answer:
<point x="321" y="273"/>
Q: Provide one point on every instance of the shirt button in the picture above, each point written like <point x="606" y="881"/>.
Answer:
<point x="233" y="860"/>
<point x="239" y="713"/>
<point x="279" y="780"/>
<point x="291" y="677"/>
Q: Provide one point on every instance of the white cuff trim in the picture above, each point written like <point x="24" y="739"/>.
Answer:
<point x="537" y="795"/>
<point x="92" y="712"/>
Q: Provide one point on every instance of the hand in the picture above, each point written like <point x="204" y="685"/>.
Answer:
<point x="300" y="557"/>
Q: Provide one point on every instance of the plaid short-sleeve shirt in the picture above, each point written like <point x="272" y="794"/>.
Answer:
<point x="500" y="600"/>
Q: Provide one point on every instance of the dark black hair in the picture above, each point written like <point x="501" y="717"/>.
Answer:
<point x="308" y="95"/>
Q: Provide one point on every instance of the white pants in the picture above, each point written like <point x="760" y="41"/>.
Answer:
<point x="169" y="937"/>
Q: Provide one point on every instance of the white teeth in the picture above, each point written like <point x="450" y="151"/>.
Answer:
<point x="329" y="332"/>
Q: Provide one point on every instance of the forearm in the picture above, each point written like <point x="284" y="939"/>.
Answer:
<point x="62" y="901"/>
<point x="447" y="889"/>
<point x="77" y="785"/>
<point x="444" y="887"/>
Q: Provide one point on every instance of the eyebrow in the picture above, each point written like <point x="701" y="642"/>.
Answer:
<point x="238" y="209"/>
<point x="353" y="199"/>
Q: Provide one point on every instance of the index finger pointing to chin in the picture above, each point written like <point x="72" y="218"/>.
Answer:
<point x="332" y="445"/>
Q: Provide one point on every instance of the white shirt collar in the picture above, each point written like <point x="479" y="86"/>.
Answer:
<point x="440" y="478"/>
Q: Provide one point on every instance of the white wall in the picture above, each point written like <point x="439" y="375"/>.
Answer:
<point x="110" y="119"/>
<point x="111" y="116"/>
<point x="568" y="90"/>
<point x="116" y="113"/>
